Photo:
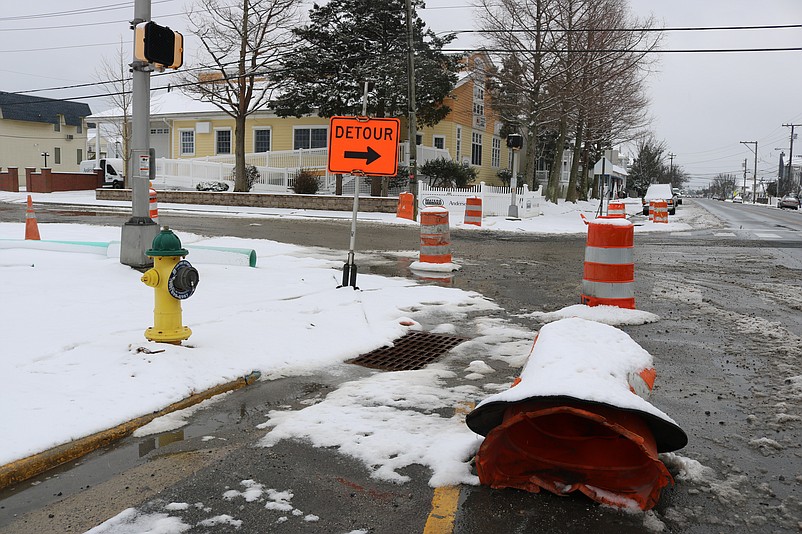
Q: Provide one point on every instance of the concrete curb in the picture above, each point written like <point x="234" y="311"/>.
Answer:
<point x="31" y="466"/>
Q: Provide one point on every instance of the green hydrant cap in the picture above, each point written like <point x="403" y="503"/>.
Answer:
<point x="166" y="243"/>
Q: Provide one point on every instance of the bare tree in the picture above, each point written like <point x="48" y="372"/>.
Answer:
<point x="576" y="68"/>
<point x="241" y="43"/>
<point x="518" y="92"/>
<point x="114" y="75"/>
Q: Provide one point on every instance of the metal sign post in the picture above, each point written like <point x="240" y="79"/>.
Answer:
<point x="361" y="146"/>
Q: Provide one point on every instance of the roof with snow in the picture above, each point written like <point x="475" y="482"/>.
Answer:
<point x="40" y="109"/>
<point x="163" y="103"/>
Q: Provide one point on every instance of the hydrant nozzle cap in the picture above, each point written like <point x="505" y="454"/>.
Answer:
<point x="166" y="243"/>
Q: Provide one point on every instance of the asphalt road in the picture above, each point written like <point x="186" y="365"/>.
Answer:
<point x="727" y="352"/>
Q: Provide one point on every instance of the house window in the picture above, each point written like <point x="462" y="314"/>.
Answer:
<point x="187" y="142"/>
<point x="478" y="93"/>
<point x="79" y="128"/>
<point x="418" y="139"/>
<point x="439" y="141"/>
<point x="495" y="153"/>
<point x="261" y="140"/>
<point x="159" y="131"/>
<point x="478" y="108"/>
<point x="458" y="149"/>
<point x="222" y="141"/>
<point x="57" y="156"/>
<point x="80" y="156"/>
<point x="57" y="124"/>
<point x="476" y="148"/>
<point x="311" y="137"/>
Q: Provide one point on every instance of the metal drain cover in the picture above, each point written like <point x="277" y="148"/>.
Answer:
<point x="413" y="351"/>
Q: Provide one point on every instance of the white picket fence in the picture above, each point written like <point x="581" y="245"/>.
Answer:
<point x="495" y="200"/>
<point x="277" y="169"/>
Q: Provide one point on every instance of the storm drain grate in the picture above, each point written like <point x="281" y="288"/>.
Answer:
<point x="413" y="351"/>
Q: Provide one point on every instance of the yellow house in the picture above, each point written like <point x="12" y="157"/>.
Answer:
<point x="184" y="128"/>
<point x="471" y="131"/>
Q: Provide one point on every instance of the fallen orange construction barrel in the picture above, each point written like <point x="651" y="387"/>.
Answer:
<point x="660" y="209"/>
<point x="609" y="274"/>
<point x="575" y="423"/>
<point x="473" y="211"/>
<point x="404" y="210"/>
<point x="616" y="210"/>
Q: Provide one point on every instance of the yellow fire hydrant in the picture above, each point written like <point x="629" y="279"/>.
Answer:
<point x="173" y="279"/>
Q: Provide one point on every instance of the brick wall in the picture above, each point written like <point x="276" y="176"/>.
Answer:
<point x="48" y="181"/>
<point x="9" y="181"/>
<point x="262" y="200"/>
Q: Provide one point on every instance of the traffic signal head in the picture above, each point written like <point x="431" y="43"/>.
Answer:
<point x="515" y="141"/>
<point x="158" y="44"/>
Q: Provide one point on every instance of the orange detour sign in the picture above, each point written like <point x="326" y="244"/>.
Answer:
<point x="361" y="145"/>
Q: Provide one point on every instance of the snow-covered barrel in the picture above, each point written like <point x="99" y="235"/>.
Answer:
<point x="574" y="421"/>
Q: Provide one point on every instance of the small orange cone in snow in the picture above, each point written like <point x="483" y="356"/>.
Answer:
<point x="31" y="228"/>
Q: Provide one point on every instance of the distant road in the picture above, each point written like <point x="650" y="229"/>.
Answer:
<point x="754" y="222"/>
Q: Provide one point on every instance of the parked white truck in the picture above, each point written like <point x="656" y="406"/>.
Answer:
<point x="113" y="170"/>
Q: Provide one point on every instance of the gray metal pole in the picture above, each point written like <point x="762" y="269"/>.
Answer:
<point x="754" y="179"/>
<point x="413" y="124"/>
<point x="512" y="212"/>
<point x="139" y="231"/>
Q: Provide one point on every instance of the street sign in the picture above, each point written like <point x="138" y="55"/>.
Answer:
<point x="363" y="146"/>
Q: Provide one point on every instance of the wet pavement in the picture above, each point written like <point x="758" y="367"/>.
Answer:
<point x="728" y="354"/>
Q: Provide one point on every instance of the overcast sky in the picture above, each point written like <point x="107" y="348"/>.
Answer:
<point x="702" y="104"/>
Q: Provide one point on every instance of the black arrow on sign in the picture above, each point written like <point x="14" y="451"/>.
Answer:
<point x="369" y="156"/>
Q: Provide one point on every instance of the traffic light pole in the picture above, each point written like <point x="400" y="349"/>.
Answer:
<point x="139" y="231"/>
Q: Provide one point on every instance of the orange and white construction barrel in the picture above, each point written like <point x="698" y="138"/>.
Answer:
<point x="660" y="208"/>
<point x="473" y="211"/>
<point x="609" y="274"/>
<point x="616" y="210"/>
<point x="154" y="206"/>
<point x="435" y="236"/>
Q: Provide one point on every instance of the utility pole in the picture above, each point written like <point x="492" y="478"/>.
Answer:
<point x="671" y="157"/>
<point x="743" y="191"/>
<point x="754" y="177"/>
<point x="413" y="126"/>
<point x="139" y="231"/>
<point x="791" y="151"/>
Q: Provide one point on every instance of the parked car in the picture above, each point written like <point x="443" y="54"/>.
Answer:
<point x="788" y="201"/>
<point x="660" y="192"/>
<point x="738" y="199"/>
<point x="678" y="194"/>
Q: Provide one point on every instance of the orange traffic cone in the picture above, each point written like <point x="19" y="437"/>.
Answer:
<point x="31" y="228"/>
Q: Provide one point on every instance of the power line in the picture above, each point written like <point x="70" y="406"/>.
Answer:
<point x="645" y="30"/>
<point x="81" y="11"/>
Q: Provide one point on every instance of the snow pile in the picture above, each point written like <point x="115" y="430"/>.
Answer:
<point x="611" y="315"/>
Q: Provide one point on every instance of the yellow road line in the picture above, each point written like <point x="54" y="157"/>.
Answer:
<point x="444" y="508"/>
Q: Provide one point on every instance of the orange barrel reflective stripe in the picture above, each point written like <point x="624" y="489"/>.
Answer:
<point x="435" y="238"/>
<point x="154" y="206"/>
<point x="660" y="211"/>
<point x="609" y="275"/>
<point x="404" y="210"/>
<point x="616" y="209"/>
<point x="473" y="211"/>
